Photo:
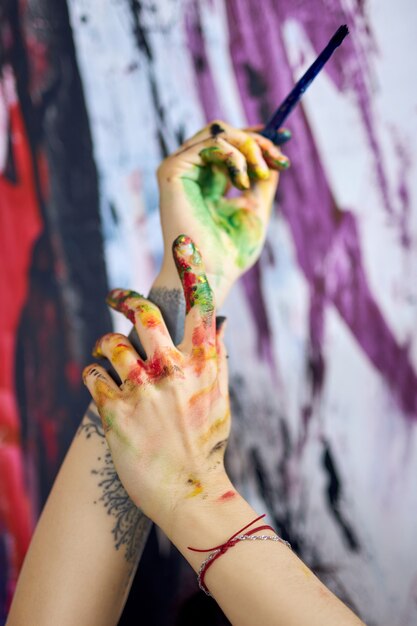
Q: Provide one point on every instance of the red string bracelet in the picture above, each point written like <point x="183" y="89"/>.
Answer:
<point x="218" y="551"/>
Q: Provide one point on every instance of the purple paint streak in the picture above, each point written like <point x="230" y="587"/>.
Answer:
<point x="326" y="239"/>
<point x="203" y="75"/>
<point x="403" y="193"/>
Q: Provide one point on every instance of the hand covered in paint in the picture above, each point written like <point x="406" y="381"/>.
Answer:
<point x="194" y="183"/>
<point x="167" y="424"/>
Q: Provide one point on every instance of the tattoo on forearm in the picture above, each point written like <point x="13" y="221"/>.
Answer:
<point x="131" y="526"/>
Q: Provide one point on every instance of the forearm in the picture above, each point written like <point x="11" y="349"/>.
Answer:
<point x="90" y="535"/>
<point x="87" y="543"/>
<point x="254" y="579"/>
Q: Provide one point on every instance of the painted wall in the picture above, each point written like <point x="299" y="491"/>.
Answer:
<point x="323" y="333"/>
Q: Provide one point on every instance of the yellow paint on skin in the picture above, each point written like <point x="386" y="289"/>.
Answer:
<point x="104" y="391"/>
<point x="195" y="398"/>
<point x="204" y="353"/>
<point x="118" y="351"/>
<point x="217" y="425"/>
<point x="198" y="488"/>
<point x="148" y="315"/>
<point x="250" y="149"/>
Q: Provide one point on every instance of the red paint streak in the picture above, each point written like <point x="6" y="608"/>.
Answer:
<point x="129" y="314"/>
<point x="157" y="367"/>
<point x="73" y="374"/>
<point x="138" y="374"/>
<point x="227" y="496"/>
<point x="152" y="322"/>
<point x="189" y="281"/>
<point x="20" y="226"/>
<point x="199" y="335"/>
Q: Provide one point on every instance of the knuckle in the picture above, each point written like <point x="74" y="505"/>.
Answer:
<point x="145" y="307"/>
<point x="163" y="166"/>
<point x="110" y="339"/>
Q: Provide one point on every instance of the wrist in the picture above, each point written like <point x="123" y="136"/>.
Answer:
<point x="203" y="523"/>
<point x="167" y="278"/>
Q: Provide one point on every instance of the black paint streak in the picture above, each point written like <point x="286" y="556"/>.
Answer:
<point x="139" y="30"/>
<point x="282" y="521"/>
<point x="258" y="89"/>
<point x="199" y="63"/>
<point x="145" y="48"/>
<point x="334" y="496"/>
<point x="180" y="135"/>
<point x="113" y="213"/>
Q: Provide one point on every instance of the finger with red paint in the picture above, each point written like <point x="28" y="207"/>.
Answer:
<point x="199" y="330"/>
<point x="147" y="319"/>
<point x="120" y="352"/>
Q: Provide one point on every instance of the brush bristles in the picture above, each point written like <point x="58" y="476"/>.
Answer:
<point x="339" y="35"/>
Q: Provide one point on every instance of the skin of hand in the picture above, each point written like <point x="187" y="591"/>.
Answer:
<point x="168" y="424"/>
<point x="196" y="196"/>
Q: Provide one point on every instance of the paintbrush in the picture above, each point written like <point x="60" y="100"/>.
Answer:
<point x="301" y="86"/>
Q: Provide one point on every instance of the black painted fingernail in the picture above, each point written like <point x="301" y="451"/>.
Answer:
<point x="283" y="135"/>
<point x="220" y="321"/>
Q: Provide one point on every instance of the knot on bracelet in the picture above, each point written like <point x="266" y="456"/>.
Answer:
<point x="218" y="551"/>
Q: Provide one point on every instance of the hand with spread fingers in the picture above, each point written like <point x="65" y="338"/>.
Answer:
<point x="168" y="423"/>
<point x="229" y="228"/>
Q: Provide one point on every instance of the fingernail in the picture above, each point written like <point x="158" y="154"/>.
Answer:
<point x="283" y="135"/>
<point x="221" y="325"/>
<point x="86" y="371"/>
<point x="282" y="162"/>
<point x="185" y="249"/>
<point x="239" y="178"/>
<point x="261" y="172"/>
<point x="220" y="322"/>
<point x="116" y="297"/>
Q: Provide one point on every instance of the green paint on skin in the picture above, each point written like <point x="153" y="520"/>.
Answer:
<point x="217" y="215"/>
<point x="282" y="162"/>
<point x="216" y="156"/>
<point x="109" y="419"/>
<point x="117" y="297"/>
<point x="244" y="228"/>
<point x="202" y="212"/>
<point x="202" y="295"/>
